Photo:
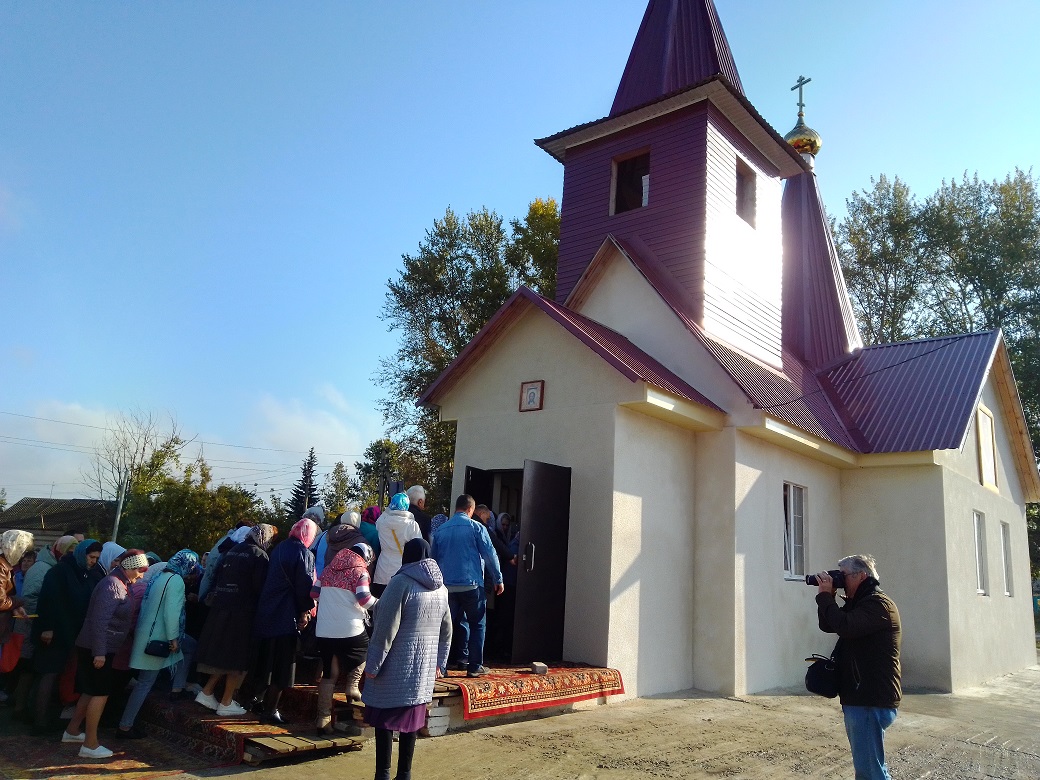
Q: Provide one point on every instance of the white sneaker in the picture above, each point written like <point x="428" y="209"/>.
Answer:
<point x="99" y="752"/>
<point x="207" y="700"/>
<point x="234" y="708"/>
<point x="77" y="738"/>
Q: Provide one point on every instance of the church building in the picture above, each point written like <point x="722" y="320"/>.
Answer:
<point x="694" y="423"/>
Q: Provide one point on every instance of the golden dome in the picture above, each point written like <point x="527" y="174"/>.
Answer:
<point x="803" y="138"/>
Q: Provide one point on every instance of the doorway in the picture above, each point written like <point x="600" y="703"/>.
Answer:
<point x="538" y="497"/>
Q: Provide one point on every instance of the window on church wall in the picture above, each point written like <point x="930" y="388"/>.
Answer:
<point x="794" y="531"/>
<point x="981" y="573"/>
<point x="745" y="192"/>
<point x="1005" y="550"/>
<point x="987" y="447"/>
<point x="631" y="187"/>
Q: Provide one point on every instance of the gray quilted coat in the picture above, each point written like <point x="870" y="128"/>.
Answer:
<point x="411" y="634"/>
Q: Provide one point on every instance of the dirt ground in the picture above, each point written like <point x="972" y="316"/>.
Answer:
<point x="987" y="732"/>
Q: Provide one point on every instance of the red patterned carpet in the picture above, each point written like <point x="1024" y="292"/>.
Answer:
<point x="515" y="689"/>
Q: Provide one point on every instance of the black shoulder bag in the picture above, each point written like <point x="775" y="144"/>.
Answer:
<point x="823" y="676"/>
<point x="158" y="647"/>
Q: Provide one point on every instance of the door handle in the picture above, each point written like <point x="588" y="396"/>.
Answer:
<point x="529" y="556"/>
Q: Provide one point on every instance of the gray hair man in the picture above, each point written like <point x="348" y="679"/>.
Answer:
<point x="417" y="506"/>
<point x="867" y="655"/>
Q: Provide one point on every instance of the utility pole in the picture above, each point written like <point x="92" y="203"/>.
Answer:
<point x="123" y="487"/>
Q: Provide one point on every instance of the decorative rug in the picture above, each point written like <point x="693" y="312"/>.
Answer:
<point x="515" y="689"/>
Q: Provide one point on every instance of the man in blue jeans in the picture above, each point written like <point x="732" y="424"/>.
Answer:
<point x="867" y="655"/>
<point x="462" y="548"/>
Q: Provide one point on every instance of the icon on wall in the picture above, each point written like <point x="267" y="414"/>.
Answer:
<point x="531" y="395"/>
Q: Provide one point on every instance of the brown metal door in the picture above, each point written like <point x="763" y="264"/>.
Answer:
<point x="542" y="568"/>
<point x="480" y="484"/>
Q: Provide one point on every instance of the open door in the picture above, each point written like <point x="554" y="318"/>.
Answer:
<point x="480" y="484"/>
<point x="542" y="568"/>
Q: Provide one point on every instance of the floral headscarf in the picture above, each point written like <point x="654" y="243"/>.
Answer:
<point x="182" y="564"/>
<point x="371" y="514"/>
<point x="63" y="545"/>
<point x="305" y="530"/>
<point x="263" y="534"/>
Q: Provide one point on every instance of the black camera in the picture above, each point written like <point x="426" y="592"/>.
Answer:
<point x="837" y="576"/>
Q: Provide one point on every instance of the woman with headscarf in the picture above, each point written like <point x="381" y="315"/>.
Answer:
<point x="369" y="516"/>
<point x="108" y="621"/>
<point x="287" y="610"/>
<point x="13" y="547"/>
<point x="109" y="552"/>
<point x="411" y="636"/>
<point x="62" y="607"/>
<point x="226" y="650"/>
<point x="396" y="528"/>
<point x="342" y="534"/>
<point x="161" y="619"/>
<point x="344" y="599"/>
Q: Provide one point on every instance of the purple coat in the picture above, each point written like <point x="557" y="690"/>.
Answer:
<point x="110" y="616"/>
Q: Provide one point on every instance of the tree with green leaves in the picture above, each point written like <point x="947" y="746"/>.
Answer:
<point x="464" y="270"/>
<point x="305" y="491"/>
<point x="882" y="255"/>
<point x="966" y="260"/>
<point x="335" y="490"/>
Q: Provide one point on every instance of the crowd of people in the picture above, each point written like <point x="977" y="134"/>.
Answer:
<point x="91" y="630"/>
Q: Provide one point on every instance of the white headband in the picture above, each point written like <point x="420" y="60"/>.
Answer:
<point x="138" y="561"/>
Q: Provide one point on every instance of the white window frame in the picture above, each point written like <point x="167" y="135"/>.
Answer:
<point x="981" y="569"/>
<point x="987" y="447"/>
<point x="794" y="531"/>
<point x="1005" y="551"/>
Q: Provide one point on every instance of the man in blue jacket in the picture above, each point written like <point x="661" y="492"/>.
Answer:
<point x="462" y="548"/>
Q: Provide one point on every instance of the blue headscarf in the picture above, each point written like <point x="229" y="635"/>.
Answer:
<point x="82" y="550"/>
<point x="400" y="502"/>
<point x="182" y="564"/>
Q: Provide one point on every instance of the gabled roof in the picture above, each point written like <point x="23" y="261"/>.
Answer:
<point x="58" y="513"/>
<point x="616" y="350"/>
<point x="818" y="324"/>
<point x="679" y="43"/>
<point x="914" y="395"/>
<point x="723" y="95"/>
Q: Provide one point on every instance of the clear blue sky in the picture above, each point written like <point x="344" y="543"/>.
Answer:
<point x="201" y="203"/>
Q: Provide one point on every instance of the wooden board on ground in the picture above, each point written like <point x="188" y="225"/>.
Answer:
<point x="257" y="749"/>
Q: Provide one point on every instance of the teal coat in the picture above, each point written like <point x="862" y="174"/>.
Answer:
<point x="165" y="612"/>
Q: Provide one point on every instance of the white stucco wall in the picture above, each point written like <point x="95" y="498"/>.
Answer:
<point x="993" y="633"/>
<point x="574" y="429"/>
<point x="897" y="515"/>
<point x="779" y="628"/>
<point x="651" y="578"/>
<point x="624" y="301"/>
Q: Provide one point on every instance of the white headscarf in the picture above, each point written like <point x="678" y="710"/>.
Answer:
<point x="109" y="552"/>
<point x="14" y="544"/>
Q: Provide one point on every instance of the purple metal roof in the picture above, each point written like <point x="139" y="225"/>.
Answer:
<point x="679" y="43"/>
<point x="615" y="349"/>
<point x="818" y="323"/>
<point x="915" y="395"/>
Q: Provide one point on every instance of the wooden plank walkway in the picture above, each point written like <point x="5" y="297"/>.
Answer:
<point x="259" y="749"/>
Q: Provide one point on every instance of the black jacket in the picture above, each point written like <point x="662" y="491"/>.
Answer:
<point x="423" y="521"/>
<point x="868" y="648"/>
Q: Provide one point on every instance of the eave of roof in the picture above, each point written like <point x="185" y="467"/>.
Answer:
<point x="734" y="106"/>
<point x="628" y="359"/>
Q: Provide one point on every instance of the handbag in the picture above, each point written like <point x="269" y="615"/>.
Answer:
<point x="160" y="648"/>
<point x="822" y="677"/>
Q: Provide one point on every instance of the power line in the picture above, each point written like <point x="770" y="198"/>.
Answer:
<point x="207" y="443"/>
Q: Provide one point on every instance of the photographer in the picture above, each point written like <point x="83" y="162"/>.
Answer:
<point x="867" y="655"/>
